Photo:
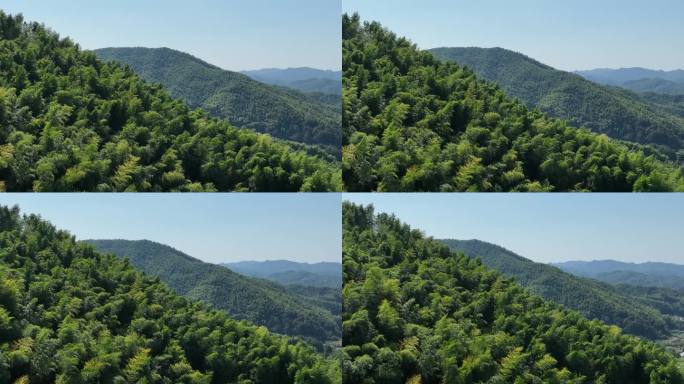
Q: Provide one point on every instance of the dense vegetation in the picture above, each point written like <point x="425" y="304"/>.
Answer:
<point x="69" y="122"/>
<point x="413" y="123"/>
<point x="258" y="301"/>
<point x="246" y="103"/>
<point x="303" y="79"/>
<point x="616" y="112"/>
<point x="641" y="312"/>
<point x="650" y="274"/>
<point x="325" y="274"/>
<point x="658" y="86"/>
<point x="416" y="312"/>
<point x="69" y="314"/>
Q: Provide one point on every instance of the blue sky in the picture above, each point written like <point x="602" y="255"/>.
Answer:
<point x="568" y="35"/>
<point x="211" y="227"/>
<point x="233" y="34"/>
<point x="549" y="227"/>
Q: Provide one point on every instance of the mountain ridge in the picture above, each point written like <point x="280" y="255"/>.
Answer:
<point x="594" y="299"/>
<point x="259" y="301"/>
<point x="417" y="312"/>
<point x="617" y="112"/>
<point x="282" y="112"/>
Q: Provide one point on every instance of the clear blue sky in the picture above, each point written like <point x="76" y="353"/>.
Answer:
<point x="211" y="227"/>
<point x="568" y="35"/>
<point x="233" y="34"/>
<point x="549" y="227"/>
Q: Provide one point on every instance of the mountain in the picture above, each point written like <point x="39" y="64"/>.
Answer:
<point x="70" y="314"/>
<point x="71" y="122"/>
<point x="625" y="75"/>
<point x="618" y="113"/>
<point x="280" y="112"/>
<point x="659" y="86"/>
<point x="325" y="274"/>
<point x="650" y="274"/>
<point x="258" y="301"/>
<point x="417" y="312"/>
<point x="303" y="79"/>
<point x="414" y="123"/>
<point x="637" y="312"/>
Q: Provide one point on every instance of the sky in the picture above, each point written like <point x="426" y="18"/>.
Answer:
<point x="212" y="227"/>
<point x="232" y="34"/>
<point x="549" y="227"/>
<point x="567" y="35"/>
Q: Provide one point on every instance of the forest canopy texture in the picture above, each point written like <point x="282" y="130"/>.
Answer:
<point x="416" y="312"/>
<point x="69" y="314"/>
<point x="413" y="123"/>
<point x="259" y="301"/>
<point x="70" y="122"/>
<point x="281" y="112"/>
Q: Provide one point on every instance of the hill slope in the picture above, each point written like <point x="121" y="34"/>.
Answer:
<point x="69" y="122"/>
<point x="651" y="274"/>
<point x="618" y="113"/>
<point x="413" y="123"/>
<point x="634" y="311"/>
<point x="69" y="314"/>
<point x="280" y="112"/>
<point x="416" y="312"/>
<point x="286" y="272"/>
<point x="303" y="79"/>
<point x="257" y="301"/>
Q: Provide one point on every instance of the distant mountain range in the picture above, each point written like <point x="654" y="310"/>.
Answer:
<point x="303" y="79"/>
<point x="650" y="274"/>
<point x="639" y="79"/>
<point x="281" y="112"/>
<point x="325" y="274"/>
<point x="619" y="113"/>
<point x="651" y="313"/>
<point x="310" y="312"/>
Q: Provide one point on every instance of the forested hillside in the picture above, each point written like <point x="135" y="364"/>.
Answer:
<point x="413" y="123"/>
<point x="69" y="314"/>
<point x="618" y="113"/>
<point x="70" y="122"/>
<point x="255" y="300"/>
<point x="650" y="274"/>
<point x="416" y="312"/>
<point x="302" y="79"/>
<point x="325" y="274"/>
<point x="246" y="103"/>
<point x="639" y="312"/>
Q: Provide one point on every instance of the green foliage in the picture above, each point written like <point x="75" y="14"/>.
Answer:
<point x="258" y="301"/>
<point x="69" y="122"/>
<point x="81" y="316"/>
<point x="246" y="103"/>
<point x="642" y="312"/>
<point x="616" y="112"/>
<point x="416" y="312"/>
<point x="413" y="123"/>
